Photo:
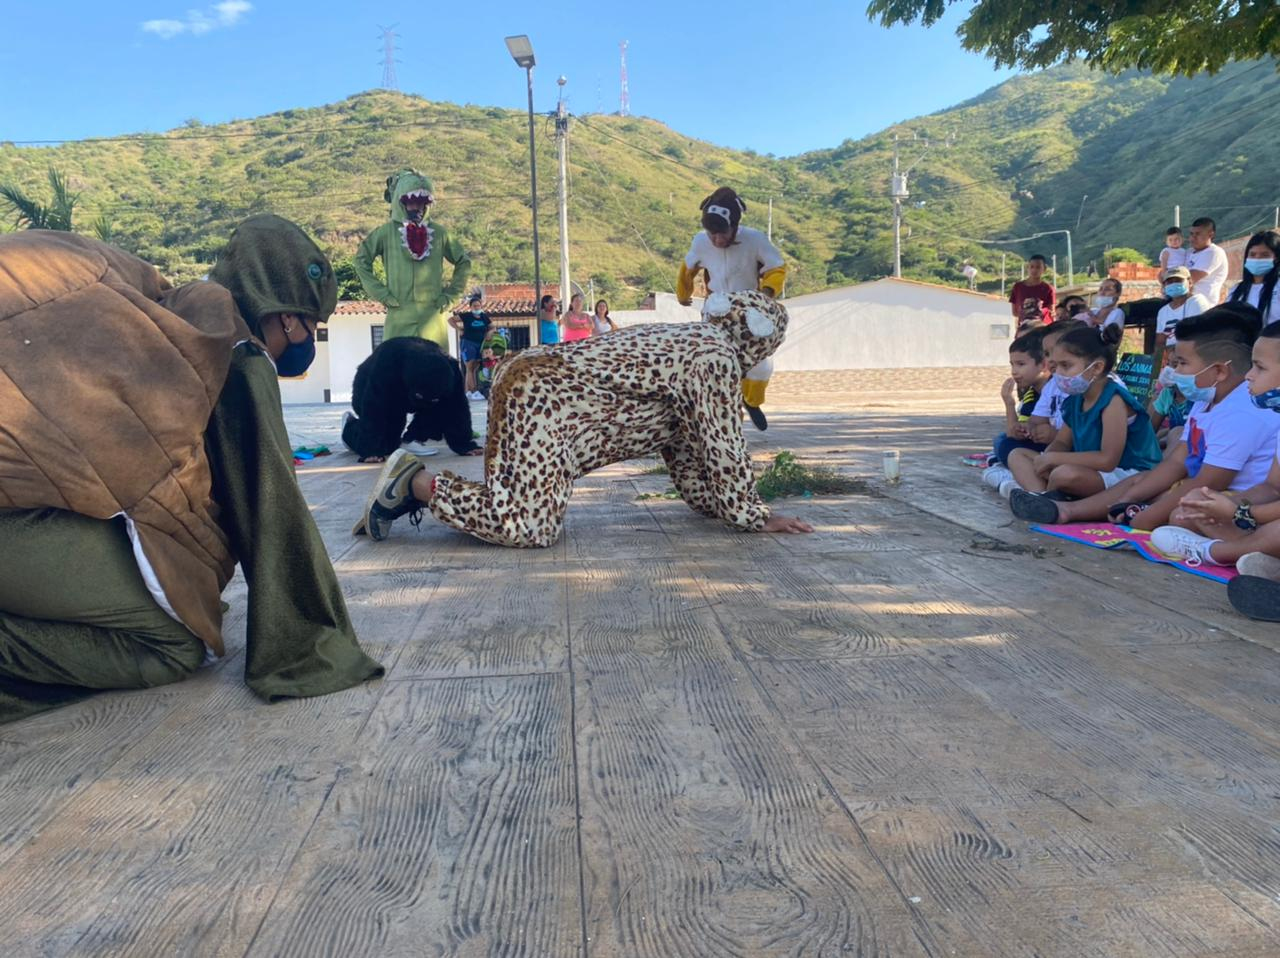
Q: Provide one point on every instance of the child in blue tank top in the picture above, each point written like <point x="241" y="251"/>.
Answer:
<point x="1106" y="435"/>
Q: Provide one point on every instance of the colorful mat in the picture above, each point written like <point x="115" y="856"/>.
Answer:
<point x="1104" y="535"/>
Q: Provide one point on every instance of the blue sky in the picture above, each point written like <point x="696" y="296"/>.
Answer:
<point x="715" y="71"/>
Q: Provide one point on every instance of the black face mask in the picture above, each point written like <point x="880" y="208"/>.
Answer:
<point x="297" y="357"/>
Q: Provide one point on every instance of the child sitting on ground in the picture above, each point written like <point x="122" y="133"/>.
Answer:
<point x="1106" y="435"/>
<point x="1239" y="528"/>
<point x="1168" y="410"/>
<point x="1020" y="392"/>
<point x="1107" y="311"/>
<point x="1046" y="418"/>
<point x="1226" y="444"/>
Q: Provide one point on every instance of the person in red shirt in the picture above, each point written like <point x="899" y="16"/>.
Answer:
<point x="1033" y="287"/>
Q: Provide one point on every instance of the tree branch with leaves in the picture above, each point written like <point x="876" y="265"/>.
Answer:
<point x="1187" y="38"/>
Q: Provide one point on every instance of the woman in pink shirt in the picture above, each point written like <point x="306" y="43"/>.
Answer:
<point x="576" y="323"/>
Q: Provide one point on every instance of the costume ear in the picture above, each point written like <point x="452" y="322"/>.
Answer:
<point x="386" y="194"/>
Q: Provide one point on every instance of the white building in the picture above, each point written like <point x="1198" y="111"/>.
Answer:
<point x="886" y="323"/>
<point x="895" y="324"/>
<point x="882" y="324"/>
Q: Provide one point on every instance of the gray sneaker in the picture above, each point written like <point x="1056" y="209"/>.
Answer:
<point x="1259" y="564"/>
<point x="392" y="496"/>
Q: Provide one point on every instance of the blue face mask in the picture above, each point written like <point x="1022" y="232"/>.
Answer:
<point x="297" y="358"/>
<point x="1186" y="383"/>
<point x="1267" y="400"/>
<point x="1174" y="290"/>
<point x="1259" y="267"/>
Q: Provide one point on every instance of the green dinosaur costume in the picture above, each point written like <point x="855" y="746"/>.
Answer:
<point x="413" y="253"/>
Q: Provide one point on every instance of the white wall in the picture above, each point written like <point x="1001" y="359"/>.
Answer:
<point x="887" y="324"/>
<point x="666" y="310"/>
<point x="351" y="341"/>
<point x="881" y="324"/>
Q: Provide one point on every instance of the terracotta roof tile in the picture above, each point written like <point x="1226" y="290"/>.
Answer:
<point x="500" y="299"/>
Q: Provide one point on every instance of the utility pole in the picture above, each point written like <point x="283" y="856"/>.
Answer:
<point x="562" y="147"/>
<point x="771" y="219"/>
<point x="1055" y="269"/>
<point x="1002" y="273"/>
<point x="1276" y="224"/>
<point x="1177" y="216"/>
<point x="898" y="189"/>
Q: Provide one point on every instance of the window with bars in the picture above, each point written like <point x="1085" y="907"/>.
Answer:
<point x="375" y="334"/>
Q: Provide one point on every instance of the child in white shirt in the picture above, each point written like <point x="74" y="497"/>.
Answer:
<point x="1173" y="253"/>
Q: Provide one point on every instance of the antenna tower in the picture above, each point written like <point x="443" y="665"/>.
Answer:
<point x="624" y="101"/>
<point x="389" y="60"/>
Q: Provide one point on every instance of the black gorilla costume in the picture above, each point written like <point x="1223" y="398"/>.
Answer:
<point x="403" y="377"/>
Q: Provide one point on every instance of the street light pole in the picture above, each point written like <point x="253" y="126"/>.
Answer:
<point x="562" y="134"/>
<point x="521" y="51"/>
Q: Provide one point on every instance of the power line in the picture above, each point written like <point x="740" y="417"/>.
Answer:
<point x="171" y="137"/>
<point x="663" y="270"/>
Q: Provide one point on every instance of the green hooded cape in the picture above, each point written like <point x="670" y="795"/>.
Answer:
<point x="417" y="299"/>
<point x="299" y="640"/>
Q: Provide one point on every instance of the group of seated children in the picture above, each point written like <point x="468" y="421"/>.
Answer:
<point x="1078" y="447"/>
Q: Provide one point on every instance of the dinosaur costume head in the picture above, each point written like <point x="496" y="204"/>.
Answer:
<point x="410" y="195"/>
<point x="755" y="321"/>
<point x="271" y="266"/>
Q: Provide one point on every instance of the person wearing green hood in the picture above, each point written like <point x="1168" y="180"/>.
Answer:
<point x="413" y="252"/>
<point x="143" y="455"/>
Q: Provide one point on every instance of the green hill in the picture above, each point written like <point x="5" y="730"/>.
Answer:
<point x="1023" y="155"/>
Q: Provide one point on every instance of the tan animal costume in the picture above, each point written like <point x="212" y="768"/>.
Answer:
<point x="558" y="412"/>
<point x="142" y="453"/>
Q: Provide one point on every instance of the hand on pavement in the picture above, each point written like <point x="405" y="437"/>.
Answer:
<point x="785" y="524"/>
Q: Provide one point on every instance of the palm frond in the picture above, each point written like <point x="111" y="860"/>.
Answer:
<point x="27" y="212"/>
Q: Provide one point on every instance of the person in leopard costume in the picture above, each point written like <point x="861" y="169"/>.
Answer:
<point x="559" y="412"/>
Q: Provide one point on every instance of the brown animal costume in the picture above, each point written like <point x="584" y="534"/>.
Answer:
<point x="142" y="453"/>
<point x="558" y="412"/>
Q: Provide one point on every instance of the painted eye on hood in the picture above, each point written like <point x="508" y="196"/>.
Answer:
<point x="315" y="271"/>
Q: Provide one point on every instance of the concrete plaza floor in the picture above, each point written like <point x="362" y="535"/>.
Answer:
<point x="922" y="730"/>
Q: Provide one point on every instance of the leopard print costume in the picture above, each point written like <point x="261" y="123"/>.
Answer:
<point x="558" y="412"/>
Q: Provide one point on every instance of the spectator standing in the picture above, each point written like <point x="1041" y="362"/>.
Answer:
<point x="1207" y="261"/>
<point x="600" y="319"/>
<point x="577" y="324"/>
<point x="548" y="321"/>
<point x="1033" y="287"/>
<point x="1174" y="253"/>
<point x="473" y="327"/>
<point x="971" y="274"/>
<point x="1259" y="288"/>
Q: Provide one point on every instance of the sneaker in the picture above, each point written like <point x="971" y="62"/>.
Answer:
<point x="1259" y="564"/>
<point x="996" y="476"/>
<point x="1033" y="507"/>
<point x="346" y="418"/>
<point x="757" y="417"/>
<point x="1255" y="597"/>
<point x="420" y="449"/>
<point x="391" y="497"/>
<point x="1007" y="487"/>
<point x="1175" y="542"/>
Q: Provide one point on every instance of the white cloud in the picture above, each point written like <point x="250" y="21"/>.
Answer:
<point x="224" y="14"/>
